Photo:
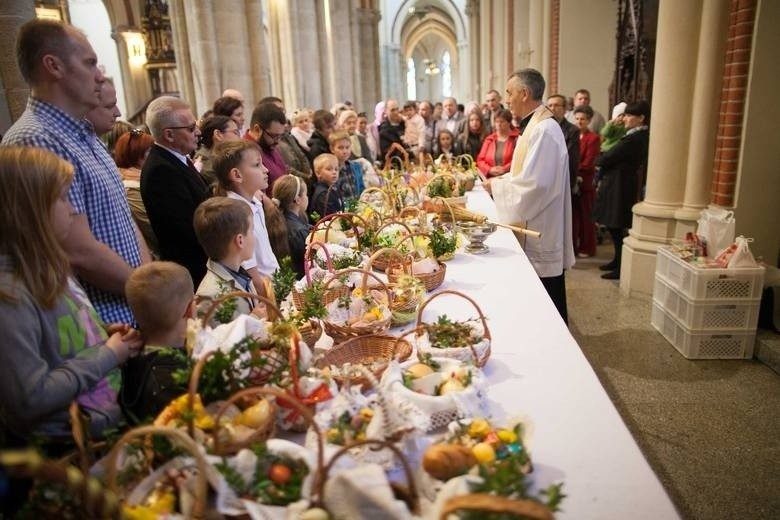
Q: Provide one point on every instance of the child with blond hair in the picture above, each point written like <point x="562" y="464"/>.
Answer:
<point x="242" y="176"/>
<point x="326" y="197"/>
<point x="55" y="347"/>
<point x="161" y="296"/>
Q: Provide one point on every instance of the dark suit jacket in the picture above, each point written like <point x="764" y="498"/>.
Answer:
<point x="572" y="135"/>
<point x="171" y="191"/>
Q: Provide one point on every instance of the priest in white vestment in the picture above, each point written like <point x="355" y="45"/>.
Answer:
<point x="535" y="194"/>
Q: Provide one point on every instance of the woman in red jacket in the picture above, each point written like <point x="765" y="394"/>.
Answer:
<point x="495" y="156"/>
<point x="583" y="228"/>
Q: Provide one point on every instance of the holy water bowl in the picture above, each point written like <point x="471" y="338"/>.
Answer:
<point x="477" y="234"/>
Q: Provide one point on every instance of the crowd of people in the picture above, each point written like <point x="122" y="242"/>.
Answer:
<point x="219" y="201"/>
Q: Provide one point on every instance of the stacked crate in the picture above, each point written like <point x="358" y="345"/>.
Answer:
<point x="706" y="313"/>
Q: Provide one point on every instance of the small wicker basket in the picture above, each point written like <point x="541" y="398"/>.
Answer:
<point x="298" y="297"/>
<point x="432" y="280"/>
<point x="341" y="333"/>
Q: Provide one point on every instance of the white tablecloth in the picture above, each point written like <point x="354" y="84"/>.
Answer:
<point x="537" y="370"/>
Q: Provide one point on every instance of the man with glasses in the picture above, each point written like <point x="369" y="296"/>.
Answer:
<point x="171" y="187"/>
<point x="557" y="105"/>
<point x="103" y="246"/>
<point x="267" y="128"/>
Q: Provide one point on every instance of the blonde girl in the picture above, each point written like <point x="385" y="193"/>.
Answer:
<point x="55" y="348"/>
<point x="290" y="195"/>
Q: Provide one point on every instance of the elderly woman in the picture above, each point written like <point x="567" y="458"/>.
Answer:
<point x="621" y="169"/>
<point x="302" y="127"/>
<point x="495" y="156"/>
<point x="129" y="154"/>
<point x="213" y="130"/>
<point x="347" y="120"/>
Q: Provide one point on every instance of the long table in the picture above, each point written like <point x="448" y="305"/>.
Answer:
<point x="537" y="370"/>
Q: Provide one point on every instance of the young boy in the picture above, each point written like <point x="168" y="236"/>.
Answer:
<point x="224" y="229"/>
<point x="326" y="198"/>
<point x="240" y="173"/>
<point x="160" y="294"/>
<point x="350" y="179"/>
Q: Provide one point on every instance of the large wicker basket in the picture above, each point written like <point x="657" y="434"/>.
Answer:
<point x="364" y="350"/>
<point x="380" y="263"/>
<point x="341" y="333"/>
<point x="477" y="354"/>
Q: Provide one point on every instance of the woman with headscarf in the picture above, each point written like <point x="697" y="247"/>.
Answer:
<point x="372" y="137"/>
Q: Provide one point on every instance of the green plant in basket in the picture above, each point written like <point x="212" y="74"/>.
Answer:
<point x="283" y="279"/>
<point x="446" y="333"/>
<point x="443" y="242"/>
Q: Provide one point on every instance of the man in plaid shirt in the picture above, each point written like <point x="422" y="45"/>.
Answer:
<point x="104" y="245"/>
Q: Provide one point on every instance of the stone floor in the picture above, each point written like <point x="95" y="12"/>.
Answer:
<point x="709" y="429"/>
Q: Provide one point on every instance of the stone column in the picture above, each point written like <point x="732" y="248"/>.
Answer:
<point x="472" y="80"/>
<point x="258" y="55"/>
<point x="536" y="35"/>
<point x="369" y="90"/>
<point x="704" y="118"/>
<point x="13" y="14"/>
<point x="681" y="136"/>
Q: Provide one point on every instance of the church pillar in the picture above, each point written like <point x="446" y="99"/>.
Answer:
<point x="682" y="134"/>
<point x="472" y="79"/>
<point x="260" y="70"/>
<point x="13" y="14"/>
<point x="370" y="76"/>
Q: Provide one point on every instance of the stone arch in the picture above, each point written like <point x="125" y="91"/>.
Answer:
<point x="448" y="7"/>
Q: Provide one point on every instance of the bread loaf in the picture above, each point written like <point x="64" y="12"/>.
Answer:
<point x="444" y="461"/>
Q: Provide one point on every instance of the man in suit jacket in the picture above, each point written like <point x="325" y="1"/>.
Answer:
<point x="171" y="187"/>
<point x="557" y="105"/>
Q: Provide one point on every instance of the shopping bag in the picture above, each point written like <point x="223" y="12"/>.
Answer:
<point x="717" y="227"/>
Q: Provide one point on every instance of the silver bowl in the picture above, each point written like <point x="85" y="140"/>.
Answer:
<point x="476" y="235"/>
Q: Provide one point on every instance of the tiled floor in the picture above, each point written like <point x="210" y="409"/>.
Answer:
<point x="710" y="429"/>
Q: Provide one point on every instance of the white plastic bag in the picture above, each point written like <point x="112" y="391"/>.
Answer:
<point x="742" y="256"/>
<point x="717" y="227"/>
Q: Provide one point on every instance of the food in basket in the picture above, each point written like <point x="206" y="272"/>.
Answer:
<point x="359" y="309"/>
<point x="489" y="443"/>
<point x="163" y="498"/>
<point x="178" y="411"/>
<point x="340" y="257"/>
<point x="444" y="461"/>
<point x="373" y="364"/>
<point x="264" y="475"/>
<point x="437" y="381"/>
<point x="349" y="427"/>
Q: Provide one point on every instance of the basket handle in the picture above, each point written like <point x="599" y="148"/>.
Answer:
<point x="282" y="395"/>
<point x="390" y="222"/>
<point x="389" y="157"/>
<point x="412" y="236"/>
<point x="465" y="157"/>
<point x="178" y="437"/>
<point x="445" y="175"/>
<point x="364" y="282"/>
<point x="482" y="317"/>
<point x="96" y="501"/>
<point x="216" y="302"/>
<point x="385" y="197"/>
<point x="404" y="260"/>
<point x="414" y="495"/>
<point x="328" y="221"/>
<point x="437" y="201"/>
<point x="487" y="503"/>
<point x="309" y="259"/>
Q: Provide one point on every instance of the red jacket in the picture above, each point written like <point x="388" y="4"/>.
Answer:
<point x="487" y="154"/>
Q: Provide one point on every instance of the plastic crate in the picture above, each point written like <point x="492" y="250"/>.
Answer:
<point x="706" y="314"/>
<point x="703" y="344"/>
<point x="697" y="283"/>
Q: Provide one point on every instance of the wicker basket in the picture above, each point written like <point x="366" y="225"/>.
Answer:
<point x="341" y="333"/>
<point x="92" y="500"/>
<point x="326" y="223"/>
<point x="407" y="493"/>
<point x="454" y="201"/>
<point x="178" y="437"/>
<point x="479" y="354"/>
<point x="380" y="263"/>
<point x="404" y="311"/>
<point x="487" y="503"/>
<point x="221" y="446"/>
<point x="365" y="349"/>
<point x="311" y="332"/>
<point x="431" y="281"/>
<point x="298" y="297"/>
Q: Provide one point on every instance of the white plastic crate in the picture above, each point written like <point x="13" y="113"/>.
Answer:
<point x="703" y="344"/>
<point x="696" y="283"/>
<point x="706" y="314"/>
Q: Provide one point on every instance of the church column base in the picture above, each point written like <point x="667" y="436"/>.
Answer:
<point x="653" y="225"/>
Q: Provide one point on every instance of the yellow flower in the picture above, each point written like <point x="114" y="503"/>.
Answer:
<point x="507" y="436"/>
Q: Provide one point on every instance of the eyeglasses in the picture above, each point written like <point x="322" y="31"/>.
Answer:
<point x="272" y="136"/>
<point x="190" y="128"/>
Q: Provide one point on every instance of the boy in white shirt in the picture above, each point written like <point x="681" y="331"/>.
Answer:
<point x="241" y="175"/>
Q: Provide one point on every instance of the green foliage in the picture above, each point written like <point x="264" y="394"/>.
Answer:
<point x="442" y="242"/>
<point x="446" y="333"/>
<point x="226" y="310"/>
<point x="313" y="297"/>
<point x="283" y="279"/>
